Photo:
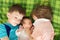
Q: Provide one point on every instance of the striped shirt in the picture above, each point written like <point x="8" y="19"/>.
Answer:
<point x="43" y="30"/>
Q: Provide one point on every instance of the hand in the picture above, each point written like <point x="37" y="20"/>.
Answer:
<point x="32" y="29"/>
<point x="20" y="28"/>
<point x="5" y="38"/>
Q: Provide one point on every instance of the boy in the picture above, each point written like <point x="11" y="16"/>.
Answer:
<point x="43" y="29"/>
<point x="15" y="15"/>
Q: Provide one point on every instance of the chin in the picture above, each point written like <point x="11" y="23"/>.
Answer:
<point x="14" y="25"/>
<point x="17" y="23"/>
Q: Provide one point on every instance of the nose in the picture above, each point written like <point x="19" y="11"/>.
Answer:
<point x="18" y="20"/>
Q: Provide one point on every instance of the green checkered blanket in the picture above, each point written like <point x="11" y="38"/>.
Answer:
<point x="29" y="5"/>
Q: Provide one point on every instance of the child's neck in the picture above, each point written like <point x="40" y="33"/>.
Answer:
<point x="28" y="31"/>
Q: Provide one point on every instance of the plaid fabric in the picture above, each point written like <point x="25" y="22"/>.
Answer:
<point x="56" y="10"/>
<point x="29" y="5"/>
<point x="56" y="20"/>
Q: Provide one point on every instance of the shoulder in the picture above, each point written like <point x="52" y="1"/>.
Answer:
<point x="18" y="32"/>
<point x="36" y="23"/>
<point x="2" y="31"/>
<point x="2" y="26"/>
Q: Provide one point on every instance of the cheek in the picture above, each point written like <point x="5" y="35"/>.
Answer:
<point x="33" y="18"/>
<point x="13" y="19"/>
<point x="17" y="21"/>
<point x="29" y="25"/>
<point x="24" y="25"/>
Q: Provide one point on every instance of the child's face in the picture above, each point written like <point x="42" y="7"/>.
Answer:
<point x="27" y="23"/>
<point x="15" y="17"/>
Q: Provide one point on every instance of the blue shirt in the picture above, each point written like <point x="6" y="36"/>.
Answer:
<point x="12" y="35"/>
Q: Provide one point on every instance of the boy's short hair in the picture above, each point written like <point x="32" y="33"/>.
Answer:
<point x="43" y="12"/>
<point x="17" y="7"/>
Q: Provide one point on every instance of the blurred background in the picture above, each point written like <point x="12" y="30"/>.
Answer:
<point x="29" y="5"/>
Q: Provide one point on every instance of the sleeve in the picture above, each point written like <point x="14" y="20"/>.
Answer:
<point x="45" y="29"/>
<point x="46" y="36"/>
<point x="48" y="32"/>
<point x="43" y="37"/>
<point x="3" y="32"/>
<point x="17" y="33"/>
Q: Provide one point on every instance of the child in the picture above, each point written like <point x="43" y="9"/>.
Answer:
<point x="25" y="32"/>
<point x="43" y="29"/>
<point x="15" y="15"/>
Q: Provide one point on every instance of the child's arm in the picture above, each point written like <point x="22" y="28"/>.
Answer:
<point x="31" y="38"/>
<point x="32" y="29"/>
<point x="29" y="32"/>
<point x="5" y="38"/>
<point x="18" y="31"/>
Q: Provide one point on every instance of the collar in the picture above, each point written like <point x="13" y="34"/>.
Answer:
<point x="41" y="19"/>
<point x="10" y="25"/>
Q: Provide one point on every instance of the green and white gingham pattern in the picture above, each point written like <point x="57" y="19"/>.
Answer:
<point x="29" y="5"/>
<point x="56" y="10"/>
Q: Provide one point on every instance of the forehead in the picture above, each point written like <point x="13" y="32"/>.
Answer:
<point x="27" y="20"/>
<point x="16" y="13"/>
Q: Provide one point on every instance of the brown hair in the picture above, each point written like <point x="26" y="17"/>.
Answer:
<point x="42" y="12"/>
<point x="18" y="8"/>
<point x="25" y="17"/>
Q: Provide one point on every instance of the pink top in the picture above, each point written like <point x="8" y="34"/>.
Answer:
<point x="43" y="30"/>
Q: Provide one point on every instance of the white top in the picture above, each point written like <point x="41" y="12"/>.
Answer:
<point x="43" y="29"/>
<point x="41" y="20"/>
<point x="22" y="35"/>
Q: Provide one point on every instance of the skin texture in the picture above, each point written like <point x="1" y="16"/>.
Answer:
<point x="5" y="38"/>
<point x="14" y="18"/>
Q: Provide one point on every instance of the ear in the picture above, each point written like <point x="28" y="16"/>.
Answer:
<point x="8" y="15"/>
<point x="34" y="17"/>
